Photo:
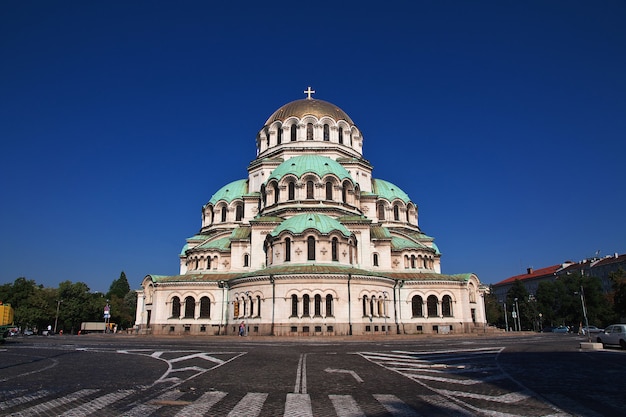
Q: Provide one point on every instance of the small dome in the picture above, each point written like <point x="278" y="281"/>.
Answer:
<point x="320" y="222"/>
<point x="304" y="164"/>
<point x="389" y="191"/>
<point x="230" y="192"/>
<point x="309" y="106"/>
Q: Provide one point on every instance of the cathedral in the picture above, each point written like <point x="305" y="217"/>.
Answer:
<point x="310" y="243"/>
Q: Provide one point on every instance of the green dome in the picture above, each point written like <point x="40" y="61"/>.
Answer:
<point x="321" y="223"/>
<point x="304" y="164"/>
<point x="389" y="191"/>
<point x="230" y="192"/>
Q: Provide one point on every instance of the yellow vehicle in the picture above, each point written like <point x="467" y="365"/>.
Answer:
<point x="6" y="320"/>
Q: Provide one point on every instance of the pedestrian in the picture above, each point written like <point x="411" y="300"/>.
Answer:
<point x="242" y="329"/>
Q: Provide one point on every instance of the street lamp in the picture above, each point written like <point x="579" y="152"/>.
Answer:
<point x="519" y="323"/>
<point x="385" y="309"/>
<point x="245" y="313"/>
<point x="582" y="301"/>
<point x="506" y="318"/>
<point x="56" y="320"/>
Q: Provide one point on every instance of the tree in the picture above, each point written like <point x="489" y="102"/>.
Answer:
<point x="618" y="278"/>
<point x="494" y="310"/>
<point x="119" y="287"/>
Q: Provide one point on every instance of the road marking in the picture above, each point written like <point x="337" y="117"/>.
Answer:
<point x="250" y="405"/>
<point x="298" y="405"/>
<point x="97" y="404"/>
<point x="22" y="399"/>
<point x="451" y="408"/>
<point x="300" y="387"/>
<point x="395" y="406"/>
<point x="345" y="371"/>
<point x="149" y="408"/>
<point x="55" y="402"/>
<point x="202" y="404"/>
<point x="346" y="406"/>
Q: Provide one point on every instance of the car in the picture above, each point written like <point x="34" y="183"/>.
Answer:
<point x="560" y="329"/>
<point x="591" y="330"/>
<point x="614" y="334"/>
<point x="28" y="332"/>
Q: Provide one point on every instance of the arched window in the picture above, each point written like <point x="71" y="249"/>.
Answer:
<point x="239" y="212"/>
<point x="310" y="241"/>
<point x="371" y="306"/>
<point x="236" y="308"/>
<point x="258" y="303"/>
<point x="287" y="249"/>
<point x="190" y="307"/>
<point x="326" y="133"/>
<point x="344" y="193"/>
<point x="196" y="263"/>
<point x="365" y="303"/>
<point x="341" y="135"/>
<point x="334" y="244"/>
<point x="246" y="260"/>
<point x="276" y="192"/>
<point x="413" y="261"/>
<point x="417" y="304"/>
<point x="446" y="306"/>
<point x="294" y="132"/>
<point x="294" y="306"/>
<point x="267" y="139"/>
<point x="426" y="263"/>
<point x="251" y="306"/>
<point x="309" y="131"/>
<point x="381" y="211"/>
<point x="309" y="190"/>
<point x="306" y="305"/>
<point x="375" y="259"/>
<point x="279" y="135"/>
<point x="329" y="305"/>
<point x="291" y="193"/>
<point x="175" y="307"/>
<point x="208" y="262"/>
<point x="205" y="308"/>
<point x="433" y="306"/>
<point x="329" y="191"/>
<point x="317" y="312"/>
<point x="223" y="214"/>
<point x="396" y="213"/>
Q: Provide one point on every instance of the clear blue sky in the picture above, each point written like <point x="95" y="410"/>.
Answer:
<point x="504" y="121"/>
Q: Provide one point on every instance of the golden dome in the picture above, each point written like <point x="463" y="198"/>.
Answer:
<point x="306" y="107"/>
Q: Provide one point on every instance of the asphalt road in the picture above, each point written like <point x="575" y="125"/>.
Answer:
<point x="120" y="375"/>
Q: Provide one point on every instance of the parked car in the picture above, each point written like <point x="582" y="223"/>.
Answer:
<point x="614" y="334"/>
<point x="560" y="329"/>
<point x="28" y="332"/>
<point x="591" y="330"/>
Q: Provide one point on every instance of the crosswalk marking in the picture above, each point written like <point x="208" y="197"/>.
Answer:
<point x="22" y="399"/>
<point x="345" y="406"/>
<point x="298" y="405"/>
<point x="446" y="402"/>
<point x="250" y="405"/>
<point x="97" y="404"/>
<point x="55" y="402"/>
<point x="395" y="406"/>
<point x="149" y="408"/>
<point x="202" y="405"/>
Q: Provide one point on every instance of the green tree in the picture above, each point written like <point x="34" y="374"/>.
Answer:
<point x="119" y="287"/>
<point x="618" y="279"/>
<point x="494" y="310"/>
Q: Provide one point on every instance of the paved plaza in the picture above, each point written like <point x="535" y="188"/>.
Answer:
<point x="504" y="375"/>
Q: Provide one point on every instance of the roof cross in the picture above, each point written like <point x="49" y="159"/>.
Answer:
<point x="308" y="92"/>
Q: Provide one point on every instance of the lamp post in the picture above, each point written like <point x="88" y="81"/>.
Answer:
<point x="506" y="317"/>
<point x="385" y="309"/>
<point x="56" y="320"/>
<point x="582" y="301"/>
<point x="519" y="323"/>
<point x="245" y="313"/>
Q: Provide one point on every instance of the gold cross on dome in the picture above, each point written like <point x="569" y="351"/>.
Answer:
<point x="308" y="92"/>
